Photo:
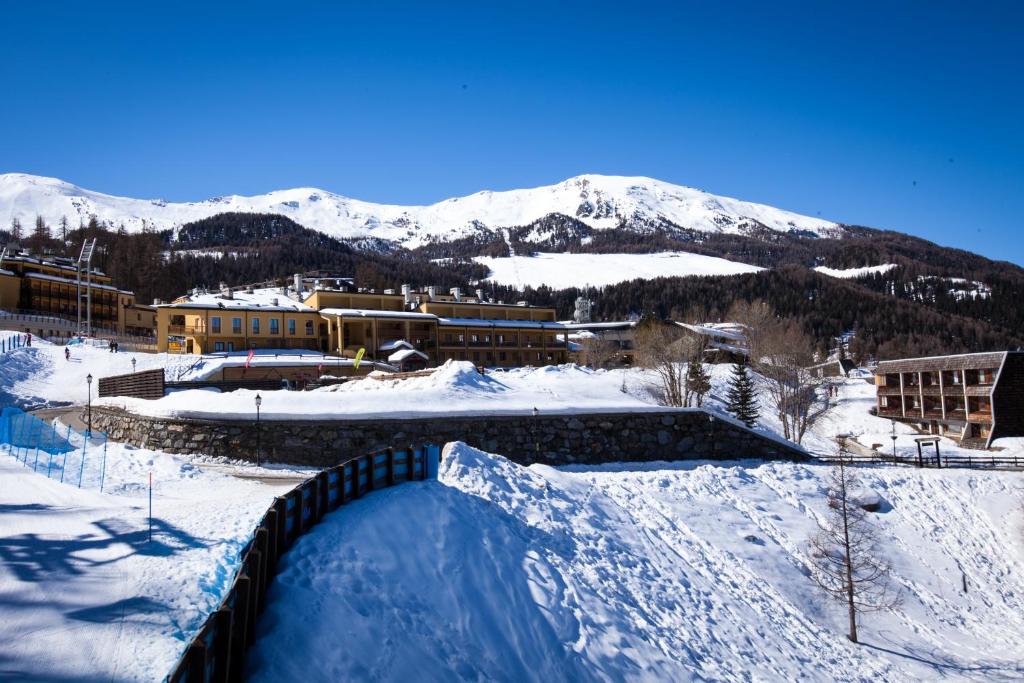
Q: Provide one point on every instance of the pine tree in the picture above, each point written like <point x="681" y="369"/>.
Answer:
<point x="741" y="399"/>
<point x="698" y="381"/>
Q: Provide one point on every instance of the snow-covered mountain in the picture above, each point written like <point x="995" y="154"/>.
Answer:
<point x="599" y="201"/>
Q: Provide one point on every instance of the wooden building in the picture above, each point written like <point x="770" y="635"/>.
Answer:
<point x="974" y="398"/>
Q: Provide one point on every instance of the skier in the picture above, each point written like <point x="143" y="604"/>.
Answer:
<point x="67" y="353"/>
<point x="28" y="340"/>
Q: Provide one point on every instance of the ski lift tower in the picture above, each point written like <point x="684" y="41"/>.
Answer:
<point x="85" y="258"/>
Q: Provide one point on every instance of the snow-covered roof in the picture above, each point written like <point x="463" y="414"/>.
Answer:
<point x="394" y="345"/>
<point x="476" y="322"/>
<point x="615" y="325"/>
<point x="729" y="331"/>
<point x="399" y="356"/>
<point x="267" y="299"/>
<point x="65" y="280"/>
<point x="372" y="313"/>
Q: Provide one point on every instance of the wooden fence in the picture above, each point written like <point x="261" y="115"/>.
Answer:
<point x="147" y="384"/>
<point x="992" y="460"/>
<point x="217" y="653"/>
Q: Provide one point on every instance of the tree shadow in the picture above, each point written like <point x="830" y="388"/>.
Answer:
<point x="35" y="557"/>
<point x="127" y="609"/>
<point x="945" y="663"/>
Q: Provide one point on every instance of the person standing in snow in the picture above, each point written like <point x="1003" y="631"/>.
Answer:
<point x="28" y="339"/>
<point x="67" y="353"/>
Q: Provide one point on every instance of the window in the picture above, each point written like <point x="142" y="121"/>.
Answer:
<point x="236" y="326"/>
<point x="309" y="328"/>
<point x="462" y="339"/>
<point x="218" y="346"/>
<point x="273" y="326"/>
<point x="231" y="346"/>
<point x="291" y="327"/>
<point x="502" y="356"/>
<point x="473" y="339"/>
<point x="215" y="325"/>
<point x="255" y="325"/>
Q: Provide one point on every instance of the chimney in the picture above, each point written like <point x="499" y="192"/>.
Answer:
<point x="273" y="302"/>
<point x="456" y="292"/>
<point x="431" y="293"/>
<point x="297" y="282"/>
<point x="480" y="295"/>
<point x="389" y="291"/>
<point x="158" y="302"/>
<point x="407" y="294"/>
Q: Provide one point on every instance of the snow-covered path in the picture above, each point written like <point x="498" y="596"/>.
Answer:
<point x="681" y="571"/>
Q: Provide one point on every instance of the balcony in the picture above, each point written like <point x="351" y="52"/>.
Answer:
<point x="984" y="417"/>
<point x="885" y="390"/>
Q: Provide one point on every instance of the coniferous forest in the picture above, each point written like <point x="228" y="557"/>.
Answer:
<point x="934" y="300"/>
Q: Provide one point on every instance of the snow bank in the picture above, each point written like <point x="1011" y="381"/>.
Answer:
<point x="662" y="572"/>
<point x="455" y="388"/>
<point x="850" y="273"/>
<point x="562" y="271"/>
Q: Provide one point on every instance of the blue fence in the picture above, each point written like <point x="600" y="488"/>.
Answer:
<point x="15" y="341"/>
<point x="54" y="450"/>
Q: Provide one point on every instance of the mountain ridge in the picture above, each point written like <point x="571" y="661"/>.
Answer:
<point x="600" y="201"/>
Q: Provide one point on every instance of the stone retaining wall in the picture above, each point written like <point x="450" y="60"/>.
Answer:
<point x="550" y="439"/>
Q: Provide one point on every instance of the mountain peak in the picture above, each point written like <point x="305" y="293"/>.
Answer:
<point x="601" y="201"/>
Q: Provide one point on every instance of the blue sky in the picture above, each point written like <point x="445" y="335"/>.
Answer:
<point x="901" y="115"/>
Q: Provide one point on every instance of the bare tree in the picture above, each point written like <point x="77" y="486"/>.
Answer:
<point x="598" y="352"/>
<point x="662" y="348"/>
<point x="781" y="353"/>
<point x="845" y="560"/>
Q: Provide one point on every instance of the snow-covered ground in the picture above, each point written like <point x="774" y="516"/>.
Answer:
<point x="662" y="571"/>
<point x="39" y="375"/>
<point x="86" y="596"/>
<point x="455" y="388"/>
<point x="849" y="273"/>
<point x="562" y="271"/>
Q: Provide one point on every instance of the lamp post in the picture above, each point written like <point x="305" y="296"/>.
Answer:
<point x="88" y="404"/>
<point x="133" y="366"/>
<point x="536" y="439"/>
<point x="893" y="437"/>
<point x="259" y="402"/>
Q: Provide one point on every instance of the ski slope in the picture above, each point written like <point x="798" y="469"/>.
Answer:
<point x="654" y="572"/>
<point x="562" y="271"/>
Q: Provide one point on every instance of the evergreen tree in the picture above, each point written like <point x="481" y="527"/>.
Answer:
<point x="741" y="399"/>
<point x="16" y="230"/>
<point x="698" y="381"/>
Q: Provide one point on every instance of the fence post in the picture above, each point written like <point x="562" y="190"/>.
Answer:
<point x="390" y="470"/>
<point x="39" y="436"/>
<point x="81" y="470"/>
<point x="103" y="467"/>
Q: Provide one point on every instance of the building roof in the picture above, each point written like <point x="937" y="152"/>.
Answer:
<point x="963" y="361"/>
<point x="727" y="331"/>
<point x="399" y="356"/>
<point x="614" y="325"/>
<point x="373" y="313"/>
<point x="69" y="281"/>
<point x="269" y="299"/>
<point x="477" y="322"/>
<point x="394" y="345"/>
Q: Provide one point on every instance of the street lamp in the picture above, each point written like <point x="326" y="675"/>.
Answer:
<point x="133" y="366"/>
<point x="88" y="403"/>
<point x="259" y="402"/>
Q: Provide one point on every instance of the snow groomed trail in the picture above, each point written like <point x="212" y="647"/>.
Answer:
<point x="666" y="571"/>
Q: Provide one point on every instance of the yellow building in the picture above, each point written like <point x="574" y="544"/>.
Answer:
<point x="49" y="286"/>
<point x="327" y="314"/>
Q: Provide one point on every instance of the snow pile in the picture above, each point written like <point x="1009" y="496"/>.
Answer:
<point x="455" y="388"/>
<point x="597" y="200"/>
<point x="659" y="571"/>
<point x="562" y="271"/>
